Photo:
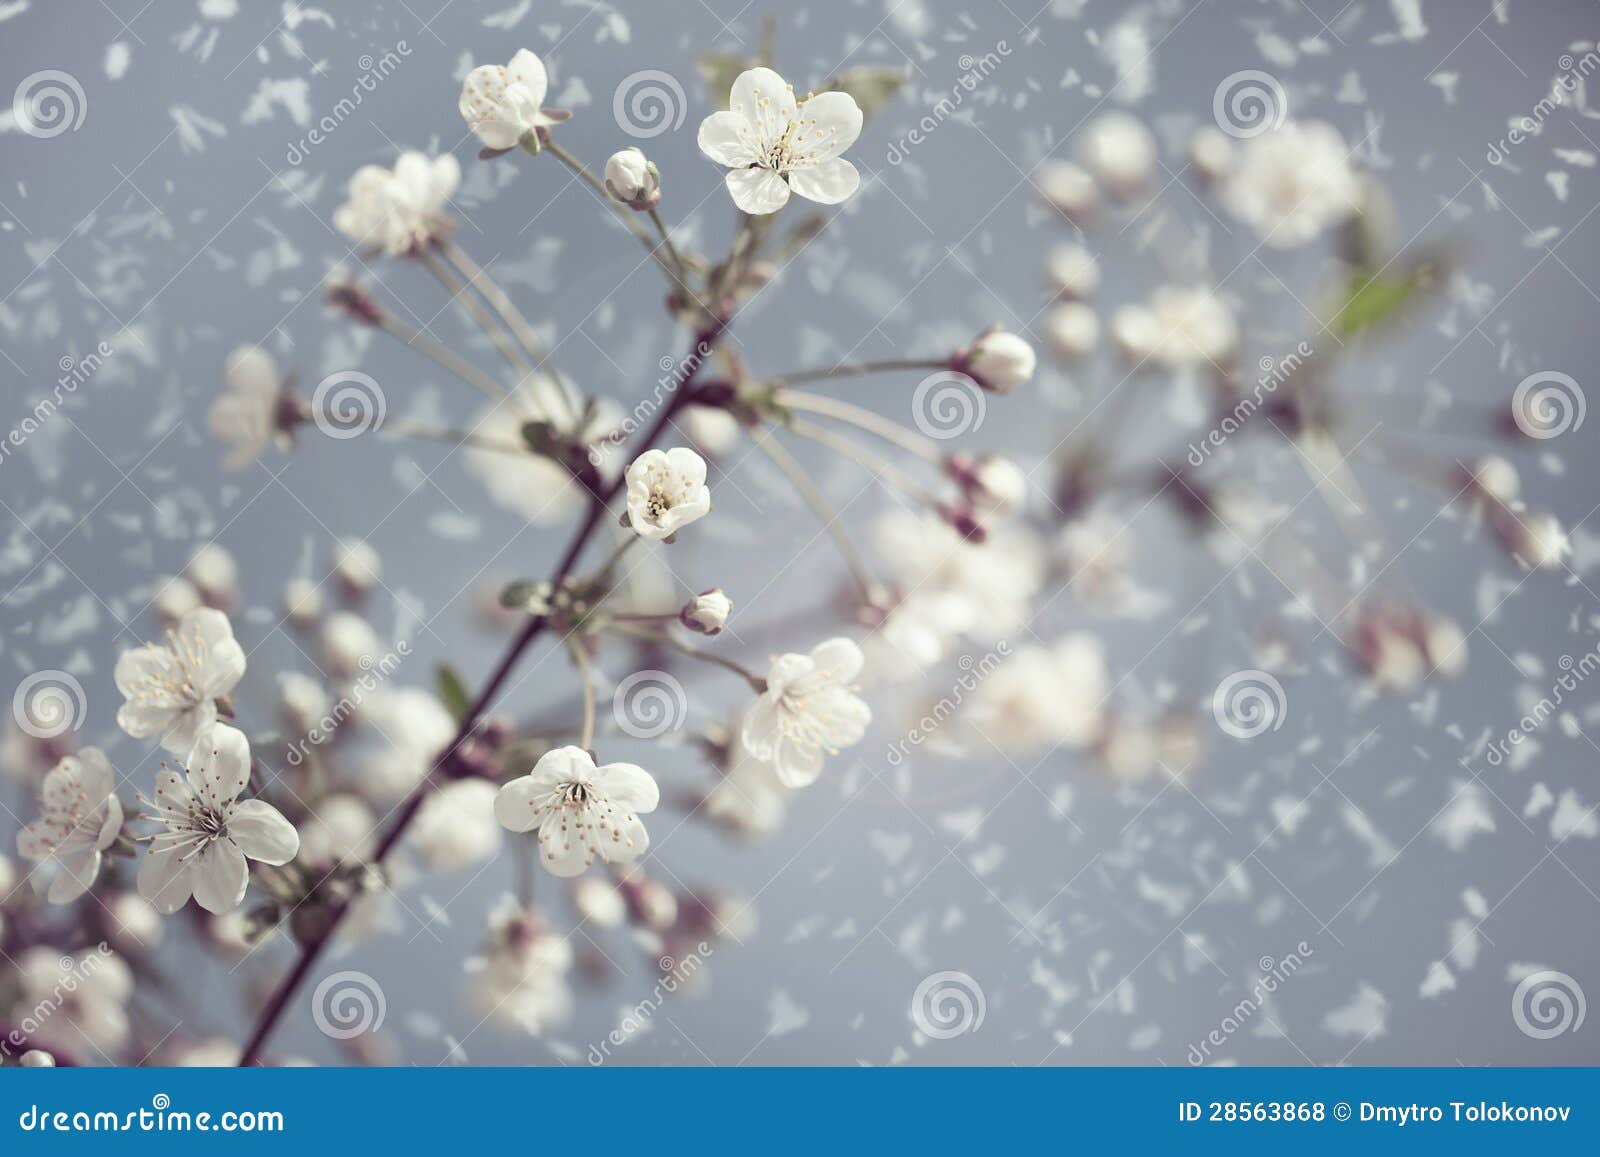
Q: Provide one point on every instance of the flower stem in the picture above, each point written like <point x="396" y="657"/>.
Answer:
<point x="863" y="419"/>
<point x="312" y="950"/>
<point x="858" y="369"/>
<point x="768" y="444"/>
<point x="453" y="437"/>
<point x="623" y="214"/>
<point x="862" y="457"/>
<point x="492" y="329"/>
<point x="586" y="676"/>
<point x="444" y="357"/>
<point x="666" y="639"/>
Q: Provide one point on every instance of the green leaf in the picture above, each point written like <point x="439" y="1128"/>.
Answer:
<point x="452" y="691"/>
<point x="1372" y="301"/>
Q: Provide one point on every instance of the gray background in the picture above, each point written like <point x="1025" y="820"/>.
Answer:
<point x="1105" y="938"/>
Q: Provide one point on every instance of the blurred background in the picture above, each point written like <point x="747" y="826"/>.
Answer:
<point x="186" y="211"/>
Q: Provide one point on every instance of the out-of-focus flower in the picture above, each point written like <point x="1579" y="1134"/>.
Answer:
<point x="710" y="428"/>
<point x="707" y="613"/>
<point x="598" y="901"/>
<point x="302" y="601"/>
<point x="1073" y="271"/>
<point x="1292" y="183"/>
<point x="339" y="829"/>
<point x="1069" y="188"/>
<point x="1178" y="328"/>
<point x="992" y="483"/>
<point x="1073" y="327"/>
<point x="633" y="179"/>
<point x="1120" y="152"/>
<point x="537" y="486"/>
<point x="176" y="598"/>
<point x="809" y="710"/>
<point x="521" y="979"/>
<point x="1042" y="695"/>
<point x="997" y="361"/>
<point x="209" y="831"/>
<point x="1535" y="538"/>
<point x="172" y="689"/>
<point x="36" y="1059"/>
<point x="773" y="145"/>
<point x="79" y="818"/>
<point x="503" y="103"/>
<point x="356" y="565"/>
<point x="414" y="728"/>
<point x="666" y="491"/>
<point x="215" y="575"/>
<point x="87" y="995"/>
<point x="255" y="409"/>
<point x="349" y="644"/>
<point x="1211" y="153"/>
<point x="749" y="797"/>
<point x="401" y="209"/>
<point x="456" y="826"/>
<point x="132" y="922"/>
<point x="995" y="580"/>
<point x="582" y="811"/>
<point x="1398" y="648"/>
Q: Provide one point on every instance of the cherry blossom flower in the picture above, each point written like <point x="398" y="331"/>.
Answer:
<point x="582" y="812"/>
<point x="172" y="689"/>
<point x="1292" y="183"/>
<point x="666" y="491"/>
<point x="808" y="710"/>
<point x="707" y="613"/>
<point x="255" y="409"/>
<point x="209" y="831"/>
<point x="400" y="209"/>
<point x="1179" y="327"/>
<point x="86" y="995"/>
<point x="1042" y="696"/>
<point x="414" y="728"/>
<point x="998" y="361"/>
<point x="537" y="486"/>
<point x="456" y="827"/>
<point x="774" y="146"/>
<point x="521" y="980"/>
<point x="749" y="798"/>
<point x="80" y="816"/>
<point x="633" y="179"/>
<point x="502" y="103"/>
<point x="1119" y="150"/>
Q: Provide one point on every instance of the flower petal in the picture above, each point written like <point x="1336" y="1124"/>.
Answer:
<point x="75" y="877"/>
<point x="220" y="876"/>
<point x="211" y="656"/>
<point x="721" y="140"/>
<point x="516" y="804"/>
<point x="164" y="881"/>
<point x="766" y="102"/>
<point x="562" y="765"/>
<point x="262" y="833"/>
<point x="830" y="122"/>
<point x="797" y="765"/>
<point x="839" y="659"/>
<point x="762" y="727"/>
<point x="152" y="676"/>
<point x="628" y="786"/>
<point x="757" y="191"/>
<point x="528" y="70"/>
<point x="219" y="765"/>
<point x="826" y="183"/>
<point x="561" y="853"/>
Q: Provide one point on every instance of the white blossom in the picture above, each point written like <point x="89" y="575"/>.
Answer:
<point x="1042" y="696"/>
<point x="998" y="361"/>
<point x="1292" y="183"/>
<point x="1120" y="152"/>
<point x="80" y="816"/>
<point x="773" y="146"/>
<point x="75" y="1004"/>
<point x="1179" y="327"/>
<point x="413" y="728"/>
<point x="401" y="209"/>
<point x="521" y="980"/>
<point x="503" y="103"/>
<point x="582" y="812"/>
<point x="633" y="179"/>
<point x="208" y="831"/>
<point x="172" y="689"/>
<point x="214" y="574"/>
<point x="249" y="415"/>
<point x="456" y="826"/>
<point x="808" y="710"/>
<point x="666" y="491"/>
<point x="707" y="613"/>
